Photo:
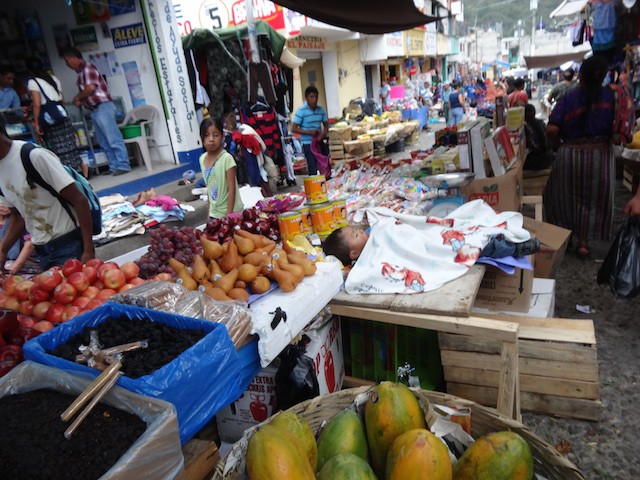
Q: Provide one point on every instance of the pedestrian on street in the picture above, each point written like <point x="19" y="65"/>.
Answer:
<point x="446" y="105"/>
<point x="456" y="101"/>
<point x="55" y="235"/>
<point x="60" y="138"/>
<point x="518" y="98"/>
<point x="8" y="96"/>
<point x="310" y="121"/>
<point x="94" y="95"/>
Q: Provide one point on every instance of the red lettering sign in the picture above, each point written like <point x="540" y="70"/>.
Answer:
<point x="492" y="198"/>
<point x="262" y="9"/>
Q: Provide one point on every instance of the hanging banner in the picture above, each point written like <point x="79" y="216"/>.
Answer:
<point x="84" y="39"/>
<point x="90" y="11"/>
<point x="415" y="42"/>
<point x="128" y="35"/>
<point x="132" y="74"/>
<point x="171" y="68"/>
<point x="120" y="7"/>
<point x="430" y="44"/>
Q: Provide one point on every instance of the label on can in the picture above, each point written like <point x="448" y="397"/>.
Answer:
<point x="315" y="187"/>
<point x="307" y="226"/>
<point x="322" y="218"/>
<point x="290" y="225"/>
<point x="340" y="213"/>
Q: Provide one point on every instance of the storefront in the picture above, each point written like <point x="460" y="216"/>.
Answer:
<point x="135" y="45"/>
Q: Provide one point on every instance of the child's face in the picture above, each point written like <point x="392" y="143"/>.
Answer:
<point x="212" y="140"/>
<point x="355" y="239"/>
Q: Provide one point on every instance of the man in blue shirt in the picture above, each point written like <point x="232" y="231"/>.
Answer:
<point x="310" y="121"/>
<point x="8" y="96"/>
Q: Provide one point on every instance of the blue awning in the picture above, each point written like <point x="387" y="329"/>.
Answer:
<point x="497" y="63"/>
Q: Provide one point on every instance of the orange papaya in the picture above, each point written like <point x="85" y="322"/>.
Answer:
<point x="300" y="433"/>
<point x="418" y="454"/>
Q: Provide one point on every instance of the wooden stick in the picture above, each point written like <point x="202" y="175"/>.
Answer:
<point x="90" y="391"/>
<point x="94" y="401"/>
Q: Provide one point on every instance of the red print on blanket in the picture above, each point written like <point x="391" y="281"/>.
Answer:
<point x="465" y="254"/>
<point x="411" y="279"/>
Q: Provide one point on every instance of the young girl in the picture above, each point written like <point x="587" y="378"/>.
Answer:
<point x="218" y="170"/>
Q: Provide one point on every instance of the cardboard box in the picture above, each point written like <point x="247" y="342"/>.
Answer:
<point x="515" y="118"/>
<point x="542" y="304"/>
<point x="255" y="405"/>
<point x="464" y="146"/>
<point x="503" y="193"/>
<point x="480" y="131"/>
<point x="325" y="349"/>
<point x="501" y="292"/>
<point x="553" y="237"/>
<point x="500" y="116"/>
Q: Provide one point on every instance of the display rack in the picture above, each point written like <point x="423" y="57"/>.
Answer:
<point x="19" y="126"/>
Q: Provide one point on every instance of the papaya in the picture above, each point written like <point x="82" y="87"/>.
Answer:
<point x="300" y="432"/>
<point x="346" y="466"/>
<point x="418" y="454"/>
<point x="496" y="456"/>
<point x="343" y="434"/>
<point x="390" y="410"/>
<point x="273" y="456"/>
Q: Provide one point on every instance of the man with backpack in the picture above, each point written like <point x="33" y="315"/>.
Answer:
<point x="59" y="219"/>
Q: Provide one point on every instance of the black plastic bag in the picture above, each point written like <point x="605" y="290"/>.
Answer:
<point x="621" y="267"/>
<point x="296" y="379"/>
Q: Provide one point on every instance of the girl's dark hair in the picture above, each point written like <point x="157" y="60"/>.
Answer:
<point x="207" y="122"/>
<point x="36" y="68"/>
<point x="336" y="246"/>
<point x="592" y="74"/>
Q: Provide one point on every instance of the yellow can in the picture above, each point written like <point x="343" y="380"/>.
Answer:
<point x="315" y="187"/>
<point x="322" y="218"/>
<point x="340" y="213"/>
<point x="307" y="226"/>
<point x="290" y="225"/>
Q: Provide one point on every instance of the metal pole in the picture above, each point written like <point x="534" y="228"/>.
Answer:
<point x="251" y="31"/>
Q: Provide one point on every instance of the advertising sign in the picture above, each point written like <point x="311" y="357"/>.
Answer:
<point x="394" y="44"/>
<point x="84" y="39"/>
<point x="128" y="35"/>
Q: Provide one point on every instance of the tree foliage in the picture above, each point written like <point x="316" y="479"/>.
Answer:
<point x="493" y="13"/>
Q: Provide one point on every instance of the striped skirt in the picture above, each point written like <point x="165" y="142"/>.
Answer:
<point x="579" y="195"/>
<point x="61" y="140"/>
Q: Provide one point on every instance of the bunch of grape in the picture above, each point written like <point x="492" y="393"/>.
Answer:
<point x="179" y="243"/>
<point x="253" y="220"/>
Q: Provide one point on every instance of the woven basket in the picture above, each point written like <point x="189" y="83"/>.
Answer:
<point x="547" y="460"/>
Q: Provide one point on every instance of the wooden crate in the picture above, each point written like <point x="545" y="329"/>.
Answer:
<point x="336" y="150"/>
<point x="557" y="363"/>
<point x="631" y="175"/>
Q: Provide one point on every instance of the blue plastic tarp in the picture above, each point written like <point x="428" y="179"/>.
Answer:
<point x="421" y="114"/>
<point x="199" y="382"/>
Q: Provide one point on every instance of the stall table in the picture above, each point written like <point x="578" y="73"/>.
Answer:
<point x="445" y="310"/>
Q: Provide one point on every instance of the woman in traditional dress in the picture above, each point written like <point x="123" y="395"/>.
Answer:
<point x="579" y="194"/>
<point x="59" y="138"/>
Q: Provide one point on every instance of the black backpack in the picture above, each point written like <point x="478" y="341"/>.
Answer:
<point x="34" y="177"/>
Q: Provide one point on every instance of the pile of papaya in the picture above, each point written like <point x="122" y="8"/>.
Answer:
<point x="392" y="442"/>
<point x="247" y="263"/>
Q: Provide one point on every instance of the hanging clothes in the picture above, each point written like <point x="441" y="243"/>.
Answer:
<point x="225" y="76"/>
<point x="260" y="75"/>
<point x="628" y="13"/>
<point x="263" y="120"/>
<point x="604" y="25"/>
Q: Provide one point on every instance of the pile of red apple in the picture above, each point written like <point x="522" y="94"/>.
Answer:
<point x="61" y="293"/>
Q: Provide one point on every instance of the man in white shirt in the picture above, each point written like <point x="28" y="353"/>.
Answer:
<point x="53" y="233"/>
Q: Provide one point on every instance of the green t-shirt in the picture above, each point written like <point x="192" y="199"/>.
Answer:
<point x="217" y="188"/>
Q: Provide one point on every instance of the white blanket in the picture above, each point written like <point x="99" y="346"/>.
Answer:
<point x="411" y="254"/>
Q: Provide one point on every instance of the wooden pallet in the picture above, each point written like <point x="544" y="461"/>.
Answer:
<point x="201" y="454"/>
<point x="558" y="367"/>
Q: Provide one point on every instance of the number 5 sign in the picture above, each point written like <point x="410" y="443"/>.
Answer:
<point x="214" y="14"/>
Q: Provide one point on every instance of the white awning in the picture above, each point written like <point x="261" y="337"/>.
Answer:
<point x="568" y="7"/>
<point x="290" y="60"/>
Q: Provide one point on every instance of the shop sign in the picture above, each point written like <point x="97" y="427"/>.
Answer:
<point x="128" y="35"/>
<point x="443" y="47"/>
<point x="415" y="42"/>
<point x="166" y="48"/>
<point x="303" y="42"/>
<point x="394" y="44"/>
<point x="430" y="44"/>
<point x="84" y="38"/>
<point x="216" y="14"/>
<point x="91" y="11"/>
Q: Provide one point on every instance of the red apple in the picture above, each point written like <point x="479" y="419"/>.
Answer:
<point x="91" y="273"/>
<point x="49" y="280"/>
<point x="81" y="302"/>
<point x="136" y="281"/>
<point x="163" y="277"/>
<point x="114" y="279"/>
<point x="94" y="303"/>
<point x="41" y="309"/>
<point x="105" y="267"/>
<point x="91" y="292"/>
<point x="3" y="298"/>
<point x="94" y="262"/>
<point x="55" y="313"/>
<point x="26" y="307"/>
<point x="64" y="293"/>
<point x="130" y="269"/>
<point x="79" y="281"/>
<point x="12" y="303"/>
<point x="22" y="289"/>
<point x="43" y="326"/>
<point x="125" y="287"/>
<point x="71" y="266"/>
<point x="27" y="322"/>
<point x="37" y="294"/>
<point x="106" y="293"/>
<point x="98" y="284"/>
<point x="10" y="283"/>
<point x="69" y="313"/>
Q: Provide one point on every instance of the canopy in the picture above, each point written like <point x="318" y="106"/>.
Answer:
<point x="201" y="37"/>
<point x="549" y="61"/>
<point x="362" y="16"/>
<point x="568" y="7"/>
